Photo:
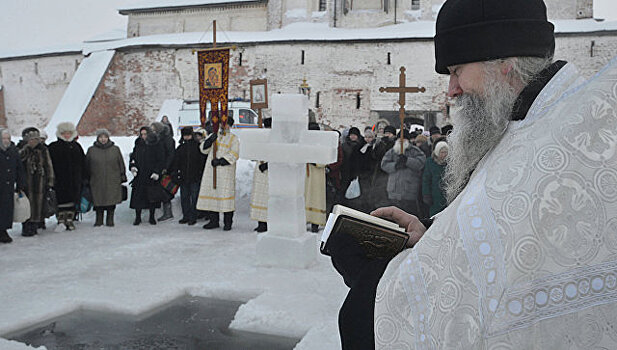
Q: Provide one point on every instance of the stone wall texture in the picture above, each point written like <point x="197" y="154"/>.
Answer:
<point x="33" y="88"/>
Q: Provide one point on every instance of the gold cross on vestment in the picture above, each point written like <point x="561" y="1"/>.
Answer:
<point x="402" y="89"/>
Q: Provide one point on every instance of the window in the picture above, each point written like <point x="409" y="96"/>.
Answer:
<point x="322" y="5"/>
<point x="415" y="4"/>
<point x="247" y="116"/>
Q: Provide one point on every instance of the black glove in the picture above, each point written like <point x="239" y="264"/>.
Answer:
<point x="219" y="162"/>
<point x="209" y="141"/>
<point x="263" y="167"/>
<point x="400" y="162"/>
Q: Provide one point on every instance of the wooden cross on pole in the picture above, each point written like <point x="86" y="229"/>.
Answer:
<point x="402" y="90"/>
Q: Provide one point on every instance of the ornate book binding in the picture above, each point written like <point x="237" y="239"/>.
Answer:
<point x="376" y="240"/>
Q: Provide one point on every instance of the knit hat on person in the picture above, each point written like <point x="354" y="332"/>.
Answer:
<point x="390" y="129"/>
<point x="434" y="130"/>
<point x="483" y="30"/>
<point x="354" y="131"/>
<point x="100" y="132"/>
<point x="187" y="130"/>
<point x="369" y="133"/>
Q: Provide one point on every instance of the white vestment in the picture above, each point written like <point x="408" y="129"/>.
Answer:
<point x="223" y="197"/>
<point x="526" y="256"/>
<point x="315" y="194"/>
<point x="259" y="195"/>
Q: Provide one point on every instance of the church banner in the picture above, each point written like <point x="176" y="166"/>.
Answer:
<point x="213" y="86"/>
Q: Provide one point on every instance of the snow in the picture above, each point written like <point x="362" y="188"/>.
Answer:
<point x="56" y="49"/>
<point x="133" y="269"/>
<point x="298" y="13"/>
<point x="153" y="4"/>
<point x="79" y="93"/>
<point x="115" y="34"/>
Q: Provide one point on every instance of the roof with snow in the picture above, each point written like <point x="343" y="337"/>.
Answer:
<point x="157" y="5"/>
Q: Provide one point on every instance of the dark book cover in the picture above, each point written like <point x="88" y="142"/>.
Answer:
<point x="377" y="241"/>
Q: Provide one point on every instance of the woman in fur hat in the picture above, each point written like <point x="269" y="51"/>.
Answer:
<point x="106" y="173"/>
<point x="11" y="174"/>
<point x="68" y="159"/>
<point x="147" y="163"/>
<point x="432" y="187"/>
<point x="39" y="172"/>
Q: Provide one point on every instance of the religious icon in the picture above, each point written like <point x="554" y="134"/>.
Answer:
<point x="259" y="93"/>
<point x="212" y="78"/>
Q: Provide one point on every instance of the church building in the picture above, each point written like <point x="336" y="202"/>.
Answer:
<point x="343" y="50"/>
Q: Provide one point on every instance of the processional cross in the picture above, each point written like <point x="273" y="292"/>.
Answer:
<point x="402" y="89"/>
<point x="287" y="147"/>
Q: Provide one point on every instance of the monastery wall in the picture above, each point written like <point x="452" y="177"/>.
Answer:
<point x="33" y="87"/>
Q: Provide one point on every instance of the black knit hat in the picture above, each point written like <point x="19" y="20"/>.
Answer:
<point x="390" y="129"/>
<point x="483" y="30"/>
<point x="354" y="131"/>
<point x="434" y="130"/>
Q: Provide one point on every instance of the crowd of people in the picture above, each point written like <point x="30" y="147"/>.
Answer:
<point x="58" y="178"/>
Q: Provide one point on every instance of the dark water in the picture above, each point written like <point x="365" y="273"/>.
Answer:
<point x="188" y="324"/>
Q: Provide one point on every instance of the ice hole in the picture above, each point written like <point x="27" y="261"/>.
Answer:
<point x="188" y="323"/>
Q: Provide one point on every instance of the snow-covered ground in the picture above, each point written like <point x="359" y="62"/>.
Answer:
<point x="133" y="269"/>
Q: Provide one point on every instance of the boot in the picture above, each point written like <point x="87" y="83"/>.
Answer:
<point x="167" y="214"/>
<point x="314" y="228"/>
<point x="41" y="225"/>
<point x="28" y="229"/>
<point x="151" y="219"/>
<point x="61" y="216"/>
<point x="214" y="221"/>
<point x="4" y="237"/>
<point x="262" y="226"/>
<point x="110" y="217"/>
<point x="137" y="217"/>
<point x="99" y="217"/>
<point x="70" y="215"/>
<point x="227" y="220"/>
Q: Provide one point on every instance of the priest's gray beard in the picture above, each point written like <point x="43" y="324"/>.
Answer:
<point x="479" y="122"/>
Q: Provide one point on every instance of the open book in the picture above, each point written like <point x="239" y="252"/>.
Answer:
<point x="378" y="237"/>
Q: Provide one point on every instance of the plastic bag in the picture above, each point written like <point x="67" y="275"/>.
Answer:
<point x="21" y="208"/>
<point x="353" y="191"/>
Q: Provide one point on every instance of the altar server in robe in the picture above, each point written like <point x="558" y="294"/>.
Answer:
<point x="222" y="198"/>
<point x="315" y="192"/>
<point x="259" y="192"/>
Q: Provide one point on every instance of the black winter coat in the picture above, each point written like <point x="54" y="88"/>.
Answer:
<point x="189" y="162"/>
<point x="69" y="162"/>
<point x="147" y="157"/>
<point x="11" y="173"/>
<point x="352" y="161"/>
<point x="39" y="173"/>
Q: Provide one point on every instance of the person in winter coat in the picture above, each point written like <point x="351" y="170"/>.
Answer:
<point x="165" y="120"/>
<point x="187" y="168"/>
<point x="432" y="190"/>
<point x="11" y="174"/>
<point x="23" y="142"/>
<point x="146" y="164"/>
<point x="352" y="158"/>
<point x="379" y="181"/>
<point x="106" y="173"/>
<point x="259" y="191"/>
<point x="68" y="159"/>
<point x="39" y="172"/>
<point x="222" y="198"/>
<point x="165" y="136"/>
<point x="404" y="175"/>
<point x="366" y="167"/>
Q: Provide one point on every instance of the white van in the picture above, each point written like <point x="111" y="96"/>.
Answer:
<point x="244" y="116"/>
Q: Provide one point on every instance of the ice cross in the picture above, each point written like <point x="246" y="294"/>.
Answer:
<point x="287" y="147"/>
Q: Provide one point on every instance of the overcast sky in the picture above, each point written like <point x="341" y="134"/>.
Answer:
<point x="27" y="24"/>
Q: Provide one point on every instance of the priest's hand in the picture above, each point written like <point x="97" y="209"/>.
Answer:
<point x="411" y="223"/>
<point x="263" y="167"/>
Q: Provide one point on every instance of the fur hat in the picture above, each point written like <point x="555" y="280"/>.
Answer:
<point x="187" y="130"/>
<point x="439" y="146"/>
<point x="43" y="134"/>
<point x="390" y="129"/>
<point x="100" y="132"/>
<point x="27" y="130"/>
<point x="32" y="134"/>
<point x="66" y="127"/>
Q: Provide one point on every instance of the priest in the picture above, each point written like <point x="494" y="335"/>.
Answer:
<point x="523" y="257"/>
<point x="221" y="199"/>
